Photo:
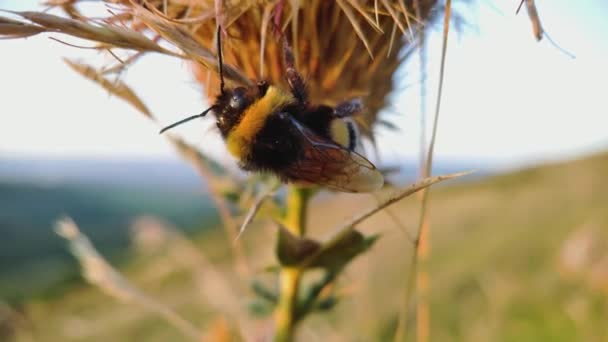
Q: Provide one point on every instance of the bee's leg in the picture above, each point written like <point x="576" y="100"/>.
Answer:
<point x="348" y="108"/>
<point x="296" y="83"/>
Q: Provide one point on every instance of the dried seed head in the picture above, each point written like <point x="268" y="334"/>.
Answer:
<point x="340" y="49"/>
<point x="343" y="48"/>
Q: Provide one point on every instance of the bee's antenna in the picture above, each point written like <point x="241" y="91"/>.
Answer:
<point x="186" y="120"/>
<point x="220" y="59"/>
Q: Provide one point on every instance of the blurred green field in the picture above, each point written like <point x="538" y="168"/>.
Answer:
<point x="34" y="260"/>
<point x="515" y="257"/>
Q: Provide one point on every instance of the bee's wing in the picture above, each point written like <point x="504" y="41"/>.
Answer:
<point x="331" y="165"/>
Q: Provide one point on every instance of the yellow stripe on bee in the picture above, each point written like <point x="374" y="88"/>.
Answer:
<point x="241" y="137"/>
<point x="339" y="132"/>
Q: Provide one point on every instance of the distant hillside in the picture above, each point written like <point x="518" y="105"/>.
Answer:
<point x="166" y="173"/>
<point x="33" y="258"/>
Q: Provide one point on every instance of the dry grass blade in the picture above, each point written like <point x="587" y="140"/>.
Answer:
<point x="122" y="66"/>
<point x="537" y="28"/>
<point x="345" y="228"/>
<point x="16" y="29"/>
<point x="100" y="273"/>
<point x="115" y="87"/>
<point x="397" y="222"/>
<point x="109" y="34"/>
<point x="356" y="26"/>
<point x="401" y="194"/>
<point x="444" y="47"/>
<point x="187" y="43"/>
<point x="422" y="86"/>
<point x="257" y="204"/>
<point x="421" y="248"/>
<point x="4" y="20"/>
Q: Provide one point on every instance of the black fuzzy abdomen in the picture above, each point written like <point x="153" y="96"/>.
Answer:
<point x="317" y="119"/>
<point x="276" y="146"/>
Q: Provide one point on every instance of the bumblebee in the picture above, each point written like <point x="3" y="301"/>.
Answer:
<point x="272" y="130"/>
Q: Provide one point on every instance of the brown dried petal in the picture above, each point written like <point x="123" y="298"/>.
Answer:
<point x="116" y="87"/>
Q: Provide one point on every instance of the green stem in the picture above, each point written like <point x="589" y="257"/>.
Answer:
<point x="295" y="222"/>
<point x="297" y="204"/>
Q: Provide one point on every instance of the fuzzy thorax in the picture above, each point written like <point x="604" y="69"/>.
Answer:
<point x="241" y="137"/>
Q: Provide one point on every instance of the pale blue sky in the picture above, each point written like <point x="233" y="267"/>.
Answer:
<point x="508" y="100"/>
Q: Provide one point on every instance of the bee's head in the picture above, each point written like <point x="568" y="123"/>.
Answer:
<point x="232" y="104"/>
<point x="230" y="107"/>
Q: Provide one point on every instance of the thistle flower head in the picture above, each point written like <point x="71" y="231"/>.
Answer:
<point x="344" y="48"/>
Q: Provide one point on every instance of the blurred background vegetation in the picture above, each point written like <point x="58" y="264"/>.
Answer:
<point x="516" y="257"/>
<point x="518" y="254"/>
